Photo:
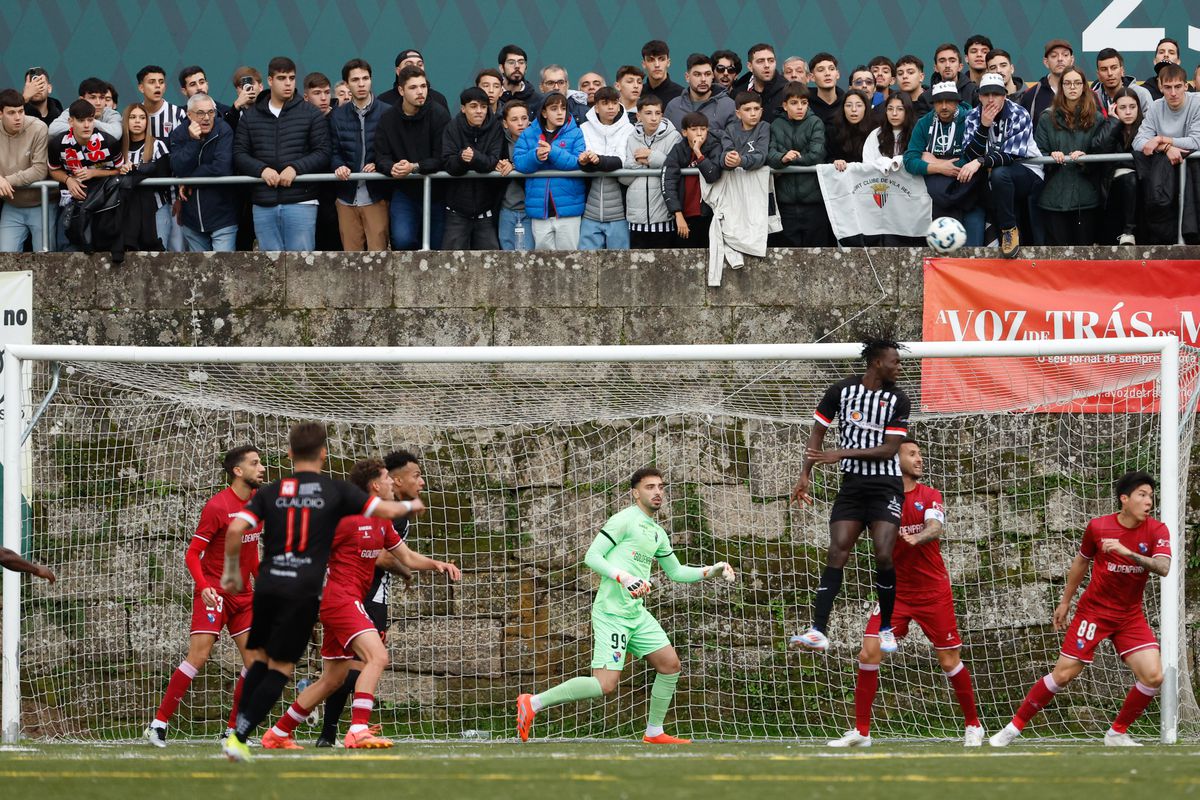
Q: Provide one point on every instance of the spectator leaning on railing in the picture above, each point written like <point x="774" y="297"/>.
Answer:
<point x="605" y="132"/>
<point x="279" y="138"/>
<point x="472" y="142"/>
<point x="362" y="206"/>
<point x="408" y="140"/>
<point x="798" y="140"/>
<point x="1116" y="136"/>
<point x="22" y="162"/>
<point x="553" y="142"/>
<point x="1069" y="129"/>
<point x="515" y="228"/>
<point x="204" y="149"/>
<point x="651" y="225"/>
<point x="700" y="149"/>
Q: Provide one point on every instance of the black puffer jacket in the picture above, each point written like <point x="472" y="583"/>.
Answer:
<point x="297" y="138"/>
<point x="416" y="138"/>
<point x="472" y="196"/>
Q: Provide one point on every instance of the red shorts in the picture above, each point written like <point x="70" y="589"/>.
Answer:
<point x="936" y="620"/>
<point x="343" y="623"/>
<point x="233" y="611"/>
<point x="1087" y="629"/>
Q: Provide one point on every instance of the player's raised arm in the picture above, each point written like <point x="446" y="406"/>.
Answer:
<point x="10" y="560"/>
<point x="408" y="558"/>
<point x="1158" y="565"/>
<point x="395" y="509"/>
<point x="684" y="574"/>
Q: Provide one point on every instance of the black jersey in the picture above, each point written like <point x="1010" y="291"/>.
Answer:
<point x="865" y="417"/>
<point x="299" y="515"/>
<point x="381" y="583"/>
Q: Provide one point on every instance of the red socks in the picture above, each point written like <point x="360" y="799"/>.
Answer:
<point x="1139" y="697"/>
<point x="1040" y="695"/>
<point x="288" y="722"/>
<point x="237" y="698"/>
<point x="865" y="688"/>
<point x="177" y="687"/>
<point x="360" y="709"/>
<point x="960" y="679"/>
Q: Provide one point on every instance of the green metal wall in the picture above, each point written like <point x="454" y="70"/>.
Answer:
<point x="113" y="38"/>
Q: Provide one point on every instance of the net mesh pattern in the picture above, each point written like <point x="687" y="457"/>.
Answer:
<point x="523" y="464"/>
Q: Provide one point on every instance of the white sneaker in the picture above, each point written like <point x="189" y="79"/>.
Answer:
<point x="1126" y="238"/>
<point x="1005" y="736"/>
<point x="887" y="641"/>
<point x="811" y="639"/>
<point x="851" y="738"/>
<point x="1114" y="739"/>
<point x="156" y="736"/>
<point x="974" y="736"/>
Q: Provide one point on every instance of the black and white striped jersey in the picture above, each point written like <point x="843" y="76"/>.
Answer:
<point x="865" y="417"/>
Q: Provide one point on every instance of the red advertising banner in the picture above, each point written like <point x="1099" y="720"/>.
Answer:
<point x="998" y="300"/>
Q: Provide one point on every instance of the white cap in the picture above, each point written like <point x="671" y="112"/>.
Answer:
<point x="945" y="91"/>
<point x="992" y="83"/>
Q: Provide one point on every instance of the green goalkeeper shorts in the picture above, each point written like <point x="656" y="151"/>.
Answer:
<point x="616" y="636"/>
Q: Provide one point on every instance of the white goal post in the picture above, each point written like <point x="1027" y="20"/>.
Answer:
<point x="1164" y="368"/>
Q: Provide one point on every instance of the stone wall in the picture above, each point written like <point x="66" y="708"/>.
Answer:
<point x="111" y="630"/>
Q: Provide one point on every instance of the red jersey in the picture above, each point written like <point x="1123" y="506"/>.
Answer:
<point x="1116" y="586"/>
<point x="214" y="520"/>
<point x="356" y="544"/>
<point x="920" y="572"/>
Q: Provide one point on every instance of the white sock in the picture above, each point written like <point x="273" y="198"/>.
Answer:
<point x="358" y="728"/>
<point x="654" y="730"/>
<point x="158" y="724"/>
<point x="536" y="702"/>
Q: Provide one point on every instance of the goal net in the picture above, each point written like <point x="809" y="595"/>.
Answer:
<point x="525" y="459"/>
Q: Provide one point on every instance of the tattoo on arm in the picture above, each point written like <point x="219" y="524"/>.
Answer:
<point x="1159" y="566"/>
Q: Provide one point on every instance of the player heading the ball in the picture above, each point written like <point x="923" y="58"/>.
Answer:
<point x="923" y="596"/>
<point x="212" y="608"/>
<point x="872" y="413"/>
<point x="1124" y="549"/>
<point x="622" y="554"/>
<point x="299" y="515"/>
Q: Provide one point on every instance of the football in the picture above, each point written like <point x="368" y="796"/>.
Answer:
<point x="946" y="234"/>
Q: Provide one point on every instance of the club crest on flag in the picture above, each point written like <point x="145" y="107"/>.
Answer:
<point x="879" y="194"/>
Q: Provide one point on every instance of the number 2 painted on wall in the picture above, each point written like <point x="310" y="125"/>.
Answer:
<point x="1106" y="31"/>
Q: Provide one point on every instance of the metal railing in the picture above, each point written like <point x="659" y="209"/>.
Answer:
<point x="427" y="183"/>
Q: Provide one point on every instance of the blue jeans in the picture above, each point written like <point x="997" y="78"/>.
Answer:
<point x="287" y="226"/>
<point x="595" y="235"/>
<point x="222" y="240"/>
<point x="16" y="224"/>
<point x="508" y="221"/>
<point x="404" y="215"/>
<point x="170" y="232"/>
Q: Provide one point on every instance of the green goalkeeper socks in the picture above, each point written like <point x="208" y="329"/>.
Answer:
<point x="660" y="697"/>
<point x="571" y="691"/>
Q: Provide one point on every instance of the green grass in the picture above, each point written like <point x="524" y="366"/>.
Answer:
<point x="587" y="769"/>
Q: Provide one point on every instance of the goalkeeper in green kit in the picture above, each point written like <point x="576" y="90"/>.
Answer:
<point x="622" y="554"/>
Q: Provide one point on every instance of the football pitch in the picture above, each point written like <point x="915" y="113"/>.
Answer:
<point x="561" y="770"/>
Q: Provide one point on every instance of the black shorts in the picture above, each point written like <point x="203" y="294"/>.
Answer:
<point x="868" y="498"/>
<point x="283" y="625"/>
<point x="378" y="612"/>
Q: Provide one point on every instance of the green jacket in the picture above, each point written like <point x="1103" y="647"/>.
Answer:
<point x="807" y="137"/>
<point x="1073" y="186"/>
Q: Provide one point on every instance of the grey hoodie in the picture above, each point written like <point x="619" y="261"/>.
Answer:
<point x="108" y="121"/>
<point x="644" y="203"/>
<point x="718" y="107"/>
<point x="751" y="144"/>
<point x="514" y="191"/>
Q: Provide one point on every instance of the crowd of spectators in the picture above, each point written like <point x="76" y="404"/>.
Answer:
<point x="965" y="124"/>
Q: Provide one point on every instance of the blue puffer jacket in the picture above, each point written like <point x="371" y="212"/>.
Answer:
<point x="352" y="132"/>
<point x="552" y="197"/>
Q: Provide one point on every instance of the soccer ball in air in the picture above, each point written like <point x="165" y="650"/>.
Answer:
<point x="946" y="234"/>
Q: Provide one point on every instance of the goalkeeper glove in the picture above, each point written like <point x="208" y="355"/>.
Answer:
<point x="720" y="569"/>
<point x="637" y="587"/>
